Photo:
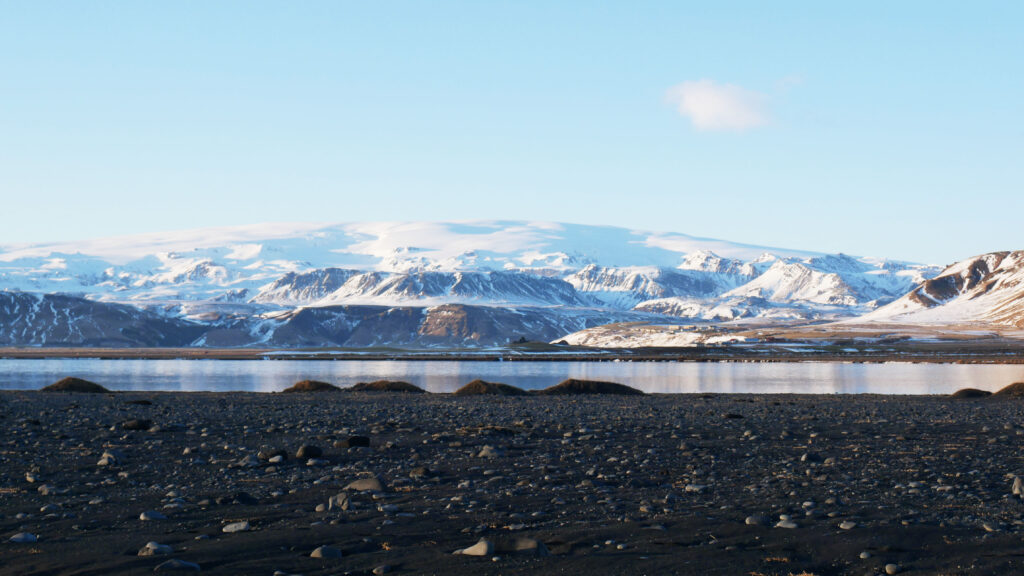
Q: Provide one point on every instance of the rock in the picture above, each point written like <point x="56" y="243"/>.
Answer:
<point x="50" y="490"/>
<point x="574" y="386"/>
<point x="382" y="569"/>
<point x="72" y="384"/>
<point x="243" y="498"/>
<point x="338" y="501"/>
<point x="23" y="538"/>
<point x="175" y="565"/>
<point x="311" y="386"/>
<point x="420" y="472"/>
<point x="307" y="451"/>
<point x="482" y="548"/>
<point x="248" y="461"/>
<point x="275" y="460"/>
<point x="847" y="525"/>
<point x="268" y="452"/>
<point x="480" y="387"/>
<point x="111" y="458"/>
<point x="155" y="549"/>
<point x="365" y="484"/>
<point x="386" y="386"/>
<point x="757" y="520"/>
<point x="490" y="452"/>
<point x="892" y="569"/>
<point x="137" y="424"/>
<point x="789" y="524"/>
<point x="353" y="442"/>
<point x="1018" y="486"/>
<point x="236" y="527"/>
<point x="326" y="552"/>
<point x="151" y="515"/>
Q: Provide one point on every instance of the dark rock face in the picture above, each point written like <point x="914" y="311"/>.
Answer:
<point x="480" y="387"/>
<point x="59" y="320"/>
<point x="574" y="386"/>
<point x="386" y="386"/>
<point x="446" y="325"/>
<point x="72" y="384"/>
<point x="312" y="386"/>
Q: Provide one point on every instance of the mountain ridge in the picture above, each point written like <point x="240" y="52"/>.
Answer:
<point x="242" y="284"/>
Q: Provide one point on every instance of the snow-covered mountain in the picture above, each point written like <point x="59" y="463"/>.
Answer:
<point x="245" y="283"/>
<point x="984" y="289"/>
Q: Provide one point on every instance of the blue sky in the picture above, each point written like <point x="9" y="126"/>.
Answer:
<point x="872" y="128"/>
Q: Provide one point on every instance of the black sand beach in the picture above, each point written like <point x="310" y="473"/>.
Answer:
<point x="598" y="484"/>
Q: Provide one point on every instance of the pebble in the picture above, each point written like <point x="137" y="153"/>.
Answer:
<point x="236" y="527"/>
<point x="847" y="525"/>
<point x="152" y="515"/>
<point x="382" y="569"/>
<point x="24" y="538"/>
<point x="786" y="524"/>
<point x="892" y="569"/>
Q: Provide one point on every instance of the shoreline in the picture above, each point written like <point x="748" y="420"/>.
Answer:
<point x="936" y="353"/>
<point x="772" y="484"/>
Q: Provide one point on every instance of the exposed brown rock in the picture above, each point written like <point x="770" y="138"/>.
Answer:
<point x="312" y="386"/>
<point x="574" y="386"/>
<point x="1015" y="389"/>
<point x="481" y="387"/>
<point x="967" y="393"/>
<point x="72" y="384"/>
<point x="386" y="386"/>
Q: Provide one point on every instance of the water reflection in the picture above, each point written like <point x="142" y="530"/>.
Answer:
<point x="447" y="376"/>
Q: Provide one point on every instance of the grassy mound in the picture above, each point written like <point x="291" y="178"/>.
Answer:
<point x="574" y="386"/>
<point x="967" y="393"/>
<point x="480" y="387"/>
<point x="1016" y="389"/>
<point x="72" y="384"/>
<point x="312" y="386"/>
<point x="386" y="386"/>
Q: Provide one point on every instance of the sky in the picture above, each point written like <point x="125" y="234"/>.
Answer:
<point x="872" y="128"/>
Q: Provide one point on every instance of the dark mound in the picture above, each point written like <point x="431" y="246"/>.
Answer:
<point x="574" y="386"/>
<point x="386" y="386"/>
<point x="968" y="393"/>
<point x="480" y="387"/>
<point x="312" y="386"/>
<point x="1015" y="389"/>
<point x="72" y="384"/>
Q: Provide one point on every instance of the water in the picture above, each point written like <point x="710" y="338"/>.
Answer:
<point x="447" y="376"/>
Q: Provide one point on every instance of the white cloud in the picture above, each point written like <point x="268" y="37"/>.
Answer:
<point x="712" y="106"/>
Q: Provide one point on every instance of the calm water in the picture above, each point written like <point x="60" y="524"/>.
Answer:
<point x="447" y="376"/>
